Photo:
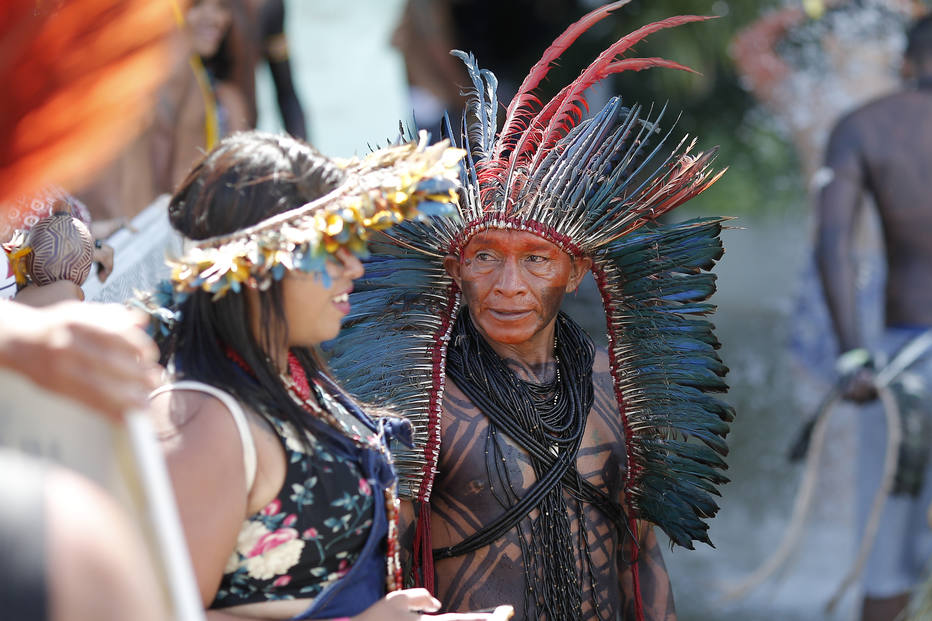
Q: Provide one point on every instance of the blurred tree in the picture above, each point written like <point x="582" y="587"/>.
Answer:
<point x="763" y="168"/>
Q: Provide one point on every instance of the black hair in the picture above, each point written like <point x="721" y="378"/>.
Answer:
<point x="220" y="65"/>
<point x="919" y="40"/>
<point x="246" y="178"/>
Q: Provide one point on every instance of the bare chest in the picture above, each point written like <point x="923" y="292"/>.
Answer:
<point x="483" y="472"/>
<point x="482" y="469"/>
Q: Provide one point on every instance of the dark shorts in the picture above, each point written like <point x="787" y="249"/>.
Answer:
<point x="23" y="590"/>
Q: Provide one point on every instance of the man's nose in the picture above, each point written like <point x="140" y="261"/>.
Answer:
<point x="510" y="280"/>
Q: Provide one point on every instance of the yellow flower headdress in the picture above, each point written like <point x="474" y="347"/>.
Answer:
<point x="388" y="186"/>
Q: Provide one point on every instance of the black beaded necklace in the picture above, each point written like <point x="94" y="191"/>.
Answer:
<point x="548" y="421"/>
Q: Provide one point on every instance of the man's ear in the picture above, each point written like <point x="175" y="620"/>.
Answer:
<point x="451" y="264"/>
<point x="581" y="265"/>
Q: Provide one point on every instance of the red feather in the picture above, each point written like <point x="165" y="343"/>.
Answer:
<point x="521" y="105"/>
<point x="557" y="113"/>
<point x="559" y="123"/>
<point x="639" y="64"/>
<point x="687" y="179"/>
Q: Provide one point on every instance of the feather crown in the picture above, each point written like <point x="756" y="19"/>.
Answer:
<point x="387" y="186"/>
<point x="578" y="183"/>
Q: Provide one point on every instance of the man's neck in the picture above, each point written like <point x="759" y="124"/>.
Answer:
<point x="532" y="360"/>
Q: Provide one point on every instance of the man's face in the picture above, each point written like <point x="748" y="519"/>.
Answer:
<point x="514" y="282"/>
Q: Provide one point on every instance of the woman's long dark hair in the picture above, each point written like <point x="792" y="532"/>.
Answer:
<point x="245" y="179"/>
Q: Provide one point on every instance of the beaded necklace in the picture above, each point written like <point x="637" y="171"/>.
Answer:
<point x="334" y="414"/>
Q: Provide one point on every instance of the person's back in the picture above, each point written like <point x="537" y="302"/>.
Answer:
<point x="885" y="147"/>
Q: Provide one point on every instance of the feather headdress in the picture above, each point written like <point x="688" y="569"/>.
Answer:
<point x="589" y="186"/>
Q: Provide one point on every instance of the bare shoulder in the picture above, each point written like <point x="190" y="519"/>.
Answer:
<point x="873" y="117"/>
<point x="197" y="430"/>
<point x="182" y="411"/>
<point x="457" y="407"/>
<point x="602" y="372"/>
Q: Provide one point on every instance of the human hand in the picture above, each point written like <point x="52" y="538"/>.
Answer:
<point x="409" y="604"/>
<point x="97" y="354"/>
<point x="103" y="257"/>
<point x="860" y="386"/>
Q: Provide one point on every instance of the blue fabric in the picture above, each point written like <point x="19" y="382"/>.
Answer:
<point x="365" y="582"/>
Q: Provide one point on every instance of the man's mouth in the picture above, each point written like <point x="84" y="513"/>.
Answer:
<point x="342" y="298"/>
<point x="508" y="313"/>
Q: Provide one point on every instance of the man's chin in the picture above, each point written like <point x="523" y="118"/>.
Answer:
<point x="506" y="335"/>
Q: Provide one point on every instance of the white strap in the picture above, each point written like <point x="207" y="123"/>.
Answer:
<point x="239" y="417"/>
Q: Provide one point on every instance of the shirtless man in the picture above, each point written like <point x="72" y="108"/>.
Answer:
<point x="513" y="283"/>
<point x="539" y="464"/>
<point x="884" y="149"/>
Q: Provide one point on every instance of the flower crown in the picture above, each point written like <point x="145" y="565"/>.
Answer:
<point x="388" y="186"/>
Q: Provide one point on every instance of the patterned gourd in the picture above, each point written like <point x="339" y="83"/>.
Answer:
<point x="62" y="249"/>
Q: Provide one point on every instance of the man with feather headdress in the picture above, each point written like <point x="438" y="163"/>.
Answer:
<point x="540" y="464"/>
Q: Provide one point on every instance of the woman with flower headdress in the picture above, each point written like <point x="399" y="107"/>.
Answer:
<point x="284" y="485"/>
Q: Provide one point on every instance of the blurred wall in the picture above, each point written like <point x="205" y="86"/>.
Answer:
<point x="351" y="82"/>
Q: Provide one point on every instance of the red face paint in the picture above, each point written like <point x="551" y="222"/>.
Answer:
<point x="513" y="282"/>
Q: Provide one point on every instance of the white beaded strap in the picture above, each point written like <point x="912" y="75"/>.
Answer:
<point x="239" y="417"/>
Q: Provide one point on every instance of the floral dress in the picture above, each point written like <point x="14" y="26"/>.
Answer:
<point x="310" y="535"/>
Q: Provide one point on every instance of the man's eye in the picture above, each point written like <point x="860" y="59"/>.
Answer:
<point x="484" y="256"/>
<point x="536" y="258"/>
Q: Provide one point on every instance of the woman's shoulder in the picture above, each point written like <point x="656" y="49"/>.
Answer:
<point x="188" y="419"/>
<point x="176" y="404"/>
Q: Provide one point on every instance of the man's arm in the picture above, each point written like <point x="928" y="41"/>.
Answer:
<point x="656" y="592"/>
<point x="837" y="210"/>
